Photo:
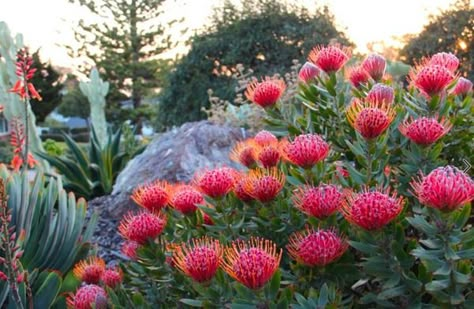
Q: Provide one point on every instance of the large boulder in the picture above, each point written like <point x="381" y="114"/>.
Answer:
<point x="173" y="156"/>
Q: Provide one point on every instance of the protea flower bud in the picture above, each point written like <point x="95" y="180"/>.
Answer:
<point x="185" y="198"/>
<point x="265" y="93"/>
<point x="463" y="87"/>
<point x="153" y="197"/>
<point x="200" y="260"/>
<point x="447" y="60"/>
<point x="264" y="138"/>
<point x="358" y="76"/>
<point x="374" y="65"/>
<point x="380" y="93"/>
<point x="239" y="189"/>
<point x="431" y="80"/>
<point x="320" y="202"/>
<point x="142" y="227"/>
<point x="112" y="277"/>
<point x="87" y="297"/>
<point x="316" y="247"/>
<point x="217" y="182"/>
<point x="252" y="262"/>
<point x="268" y="156"/>
<point x="90" y="270"/>
<point x="370" y="119"/>
<point x="331" y="58"/>
<point x="244" y="153"/>
<point x="305" y="150"/>
<point x="445" y="188"/>
<point x="308" y="72"/>
<point x="264" y="185"/>
<point x="372" y="210"/>
<point x="425" y="131"/>
<point x="129" y="249"/>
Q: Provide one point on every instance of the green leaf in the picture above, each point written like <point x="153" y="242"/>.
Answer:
<point x="45" y="296"/>
<point x="363" y="247"/>
<point x="421" y="224"/>
<point x="437" y="285"/>
<point x="191" y="302"/>
<point x="274" y="286"/>
<point x="466" y="254"/>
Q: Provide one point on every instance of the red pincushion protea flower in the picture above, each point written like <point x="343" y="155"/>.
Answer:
<point x="447" y="60"/>
<point x="265" y="93"/>
<point x="112" y="277"/>
<point x="370" y="119"/>
<point x="264" y="138"/>
<point x="129" y="249"/>
<point x="244" y="153"/>
<point x="185" y="199"/>
<point x="217" y="182"/>
<point x="330" y="58"/>
<point x="264" y="185"/>
<point x="305" y="150"/>
<point x="269" y="155"/>
<point x="341" y="170"/>
<point x="90" y="270"/>
<point x="431" y="80"/>
<point x="374" y="65"/>
<point x="142" y="227"/>
<point x="316" y="247"/>
<point x="463" y="87"/>
<point x="425" y="131"/>
<point x="153" y="197"/>
<point x="380" y="93"/>
<point x="308" y="72"/>
<point x="200" y="260"/>
<point x="239" y="190"/>
<point x="372" y="210"/>
<point x="252" y="262"/>
<point x="319" y="202"/>
<point x="445" y="188"/>
<point x="88" y="297"/>
<point x="358" y="76"/>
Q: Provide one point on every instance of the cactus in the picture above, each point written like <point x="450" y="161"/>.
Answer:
<point x="95" y="90"/>
<point x="13" y="106"/>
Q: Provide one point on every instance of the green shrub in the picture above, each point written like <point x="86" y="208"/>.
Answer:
<point x="53" y="148"/>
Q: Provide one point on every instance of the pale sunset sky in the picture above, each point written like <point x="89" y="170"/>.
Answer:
<point x="48" y="23"/>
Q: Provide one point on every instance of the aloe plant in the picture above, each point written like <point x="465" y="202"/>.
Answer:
<point x="93" y="172"/>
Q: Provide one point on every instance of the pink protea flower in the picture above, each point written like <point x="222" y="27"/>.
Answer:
<point x="244" y="153"/>
<point x="185" y="198"/>
<point x="358" y="76"/>
<point x="200" y="260"/>
<point x="305" y="150"/>
<point x="372" y="210"/>
<point x="316" y="247"/>
<point x="88" y="297"/>
<point x="142" y="227"/>
<point x="264" y="185"/>
<point x="90" y="270"/>
<point x="425" y="131"/>
<point x="463" y="87"/>
<point x="252" y="262"/>
<point x="308" y="72"/>
<point x="264" y="138"/>
<point x="370" y="119"/>
<point x="445" y="188"/>
<point x="380" y="93"/>
<point x="431" y="80"/>
<point x="374" y="65"/>
<point x="112" y="277"/>
<point x="153" y="197"/>
<point x="129" y="249"/>
<point x="447" y="60"/>
<point x="330" y="58"/>
<point x="239" y="189"/>
<point x="265" y="93"/>
<point x="320" y="202"/>
<point x="269" y="155"/>
<point x="217" y="182"/>
<point x="341" y="169"/>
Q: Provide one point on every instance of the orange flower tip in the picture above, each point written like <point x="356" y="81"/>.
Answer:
<point x="244" y="153"/>
<point x="264" y="185"/>
<point x="319" y="202"/>
<point x="374" y="65"/>
<point x="90" y="270"/>
<point x="142" y="227"/>
<point x="154" y="196"/>
<point x="316" y="247"/>
<point x="445" y="188"/>
<point x="265" y="93"/>
<point x="330" y="58"/>
<point x="305" y="150"/>
<point x="240" y="192"/>
<point x="88" y="296"/>
<point x="217" y="182"/>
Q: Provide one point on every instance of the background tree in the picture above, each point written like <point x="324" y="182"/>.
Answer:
<point x="124" y="46"/>
<point x="451" y="31"/>
<point x="48" y="83"/>
<point x="263" y="35"/>
<point x="74" y="104"/>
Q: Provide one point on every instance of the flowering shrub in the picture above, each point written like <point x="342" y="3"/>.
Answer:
<point x="353" y="202"/>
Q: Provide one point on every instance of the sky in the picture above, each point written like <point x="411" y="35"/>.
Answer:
<point x="48" y="24"/>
